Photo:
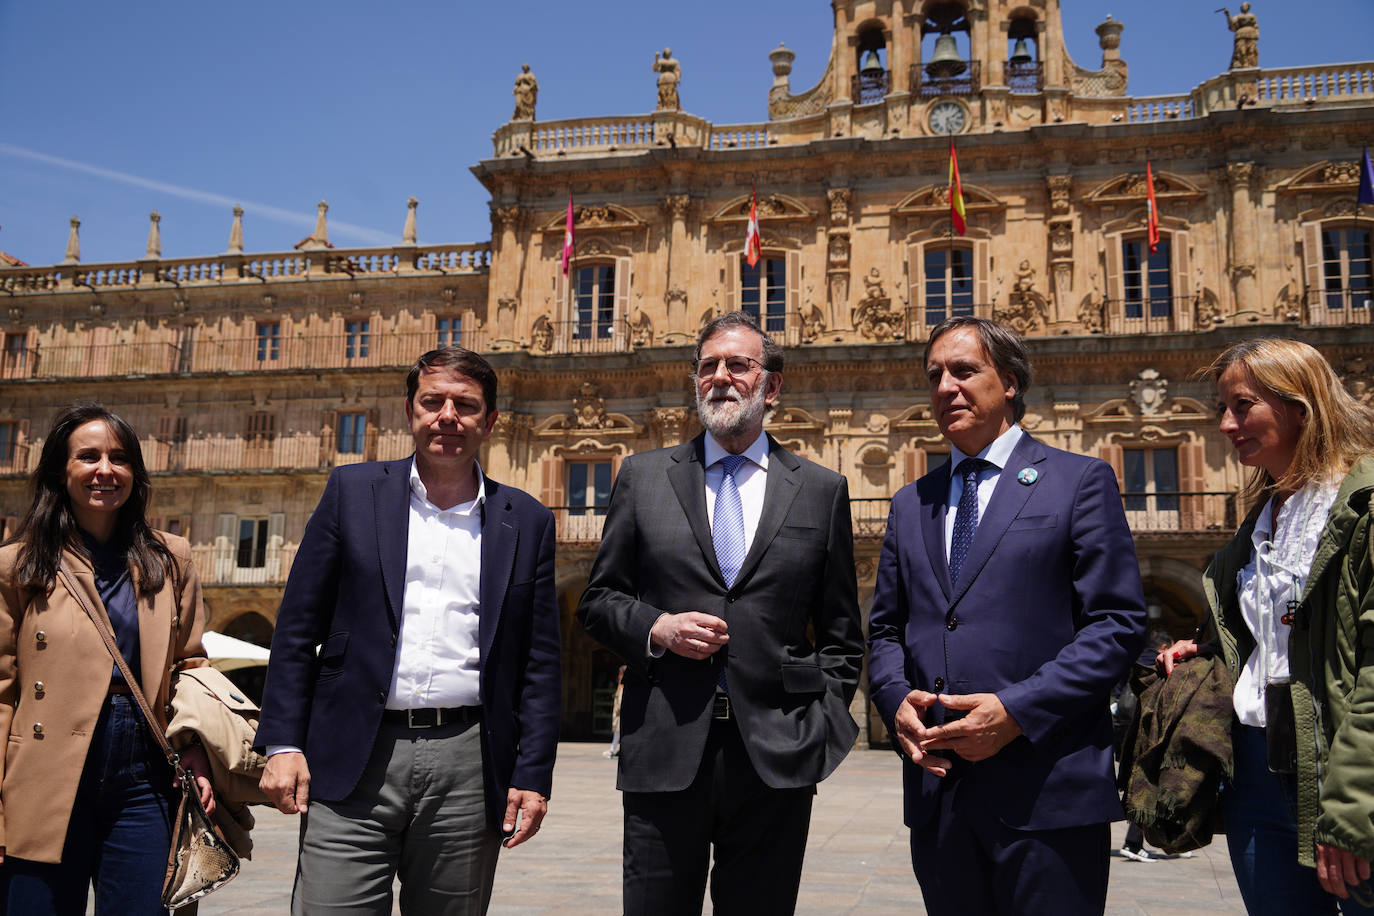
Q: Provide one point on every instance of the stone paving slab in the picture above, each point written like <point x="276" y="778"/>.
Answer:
<point x="857" y="858"/>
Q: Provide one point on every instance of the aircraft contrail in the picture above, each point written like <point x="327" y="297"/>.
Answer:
<point x="267" y="211"/>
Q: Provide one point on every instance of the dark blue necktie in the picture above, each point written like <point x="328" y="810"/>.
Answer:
<point x="966" y="518"/>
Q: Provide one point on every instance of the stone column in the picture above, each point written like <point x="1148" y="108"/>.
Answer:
<point x="504" y="279"/>
<point x="837" y="259"/>
<point x="674" y="289"/>
<point x="1244" y="257"/>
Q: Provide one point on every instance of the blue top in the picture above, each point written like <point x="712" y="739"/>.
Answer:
<point x="116" y="590"/>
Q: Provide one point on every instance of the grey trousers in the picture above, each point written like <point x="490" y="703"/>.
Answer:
<point x="418" y="812"/>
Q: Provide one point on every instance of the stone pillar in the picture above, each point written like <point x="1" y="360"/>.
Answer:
<point x="1244" y="255"/>
<point x="837" y="259"/>
<point x="679" y="257"/>
<point x="504" y="223"/>
<point x="73" y="243"/>
<point x="1060" y="226"/>
<point x="236" y="232"/>
<point x="154" y="251"/>
<point x="408" y="232"/>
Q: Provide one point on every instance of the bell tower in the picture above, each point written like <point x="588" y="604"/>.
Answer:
<point x="936" y="67"/>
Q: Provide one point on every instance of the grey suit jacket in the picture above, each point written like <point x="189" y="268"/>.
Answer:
<point x="796" y="643"/>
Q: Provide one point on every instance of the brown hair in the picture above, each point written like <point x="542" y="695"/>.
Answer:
<point x="1339" y="429"/>
<point x="1002" y="347"/>
<point x="462" y="361"/>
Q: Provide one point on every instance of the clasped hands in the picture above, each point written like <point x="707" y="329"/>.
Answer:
<point x="986" y="728"/>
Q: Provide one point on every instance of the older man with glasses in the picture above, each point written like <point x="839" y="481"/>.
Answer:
<point x="725" y="579"/>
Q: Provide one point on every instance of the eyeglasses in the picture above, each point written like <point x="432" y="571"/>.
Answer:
<point x="737" y="366"/>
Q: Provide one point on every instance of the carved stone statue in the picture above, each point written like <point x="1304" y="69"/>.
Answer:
<point x="526" y="94"/>
<point x="669" y="75"/>
<point x="1246" y="28"/>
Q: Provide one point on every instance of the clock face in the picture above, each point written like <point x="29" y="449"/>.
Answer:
<point x="947" y="118"/>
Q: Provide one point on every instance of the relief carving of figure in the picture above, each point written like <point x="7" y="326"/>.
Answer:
<point x="541" y="335"/>
<point x="874" y="318"/>
<point x="526" y="93"/>
<point x="589" y="408"/>
<point x="669" y="75"/>
<point x="1246" y="28"/>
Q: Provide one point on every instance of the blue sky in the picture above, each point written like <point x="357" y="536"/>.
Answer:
<point x="110" y="110"/>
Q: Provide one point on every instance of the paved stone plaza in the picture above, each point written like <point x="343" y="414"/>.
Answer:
<point x="856" y="860"/>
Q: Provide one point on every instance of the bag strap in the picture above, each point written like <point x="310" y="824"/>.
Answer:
<point x="102" y="627"/>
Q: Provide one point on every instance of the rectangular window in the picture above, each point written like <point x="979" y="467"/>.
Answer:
<point x="1151" y="479"/>
<point x="450" y="331"/>
<point x="594" y="313"/>
<point x="948" y="283"/>
<point x="1347" y="255"/>
<point x="174" y="526"/>
<point x="589" y="487"/>
<point x="357" y="338"/>
<point x="262" y="428"/>
<point x="269" y="341"/>
<point x="252" y="546"/>
<point x="763" y="292"/>
<point x="9" y="436"/>
<point x="351" y="433"/>
<point x="16" y="350"/>
<point x="1147" y="279"/>
<point x="171" y="428"/>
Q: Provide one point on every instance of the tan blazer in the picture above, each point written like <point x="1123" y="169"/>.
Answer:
<point x="51" y="642"/>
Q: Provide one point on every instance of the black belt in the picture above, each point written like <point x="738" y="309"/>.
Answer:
<point x="720" y="706"/>
<point x="430" y="717"/>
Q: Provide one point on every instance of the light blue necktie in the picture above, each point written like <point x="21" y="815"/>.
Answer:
<point x="727" y="527"/>
<point x="966" y="516"/>
<point x="727" y="531"/>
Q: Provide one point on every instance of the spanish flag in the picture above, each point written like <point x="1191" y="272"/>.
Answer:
<point x="1151" y="209"/>
<point x="956" y="192"/>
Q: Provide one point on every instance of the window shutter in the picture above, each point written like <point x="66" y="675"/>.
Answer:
<point x="915" y="300"/>
<point x="794" y="303"/>
<point x="1113" y="289"/>
<point x="276" y="530"/>
<point x="226" y="532"/>
<point x="1181" y="281"/>
<point x="1112" y="455"/>
<point x="1192" y="479"/>
<point x="370" y="435"/>
<point x="734" y="263"/>
<point x="561" y="304"/>
<point x="622" y="302"/>
<point x="981" y="296"/>
<point x="551" y="489"/>
<point x="1312" y="262"/>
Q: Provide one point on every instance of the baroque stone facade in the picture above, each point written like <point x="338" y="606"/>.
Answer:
<point x="250" y="376"/>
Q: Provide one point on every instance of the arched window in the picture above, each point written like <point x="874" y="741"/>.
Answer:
<point x="1023" y="71"/>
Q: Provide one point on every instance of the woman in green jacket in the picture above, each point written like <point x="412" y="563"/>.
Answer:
<point x="1293" y="612"/>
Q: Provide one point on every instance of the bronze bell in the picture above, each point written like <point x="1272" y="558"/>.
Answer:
<point x="946" y="62"/>
<point x="873" y="65"/>
<point x="1020" y="54"/>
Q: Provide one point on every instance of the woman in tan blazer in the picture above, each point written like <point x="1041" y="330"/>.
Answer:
<point x="86" y="796"/>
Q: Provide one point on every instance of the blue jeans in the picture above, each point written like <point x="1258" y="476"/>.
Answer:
<point x="119" y="833"/>
<point x="1262" y="834"/>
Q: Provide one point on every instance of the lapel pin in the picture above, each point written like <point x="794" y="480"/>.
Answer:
<point x="1027" y="476"/>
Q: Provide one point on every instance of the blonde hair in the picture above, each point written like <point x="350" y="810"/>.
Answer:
<point x="1338" y="431"/>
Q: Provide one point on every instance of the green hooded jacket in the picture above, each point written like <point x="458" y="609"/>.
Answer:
<point x="1331" y="662"/>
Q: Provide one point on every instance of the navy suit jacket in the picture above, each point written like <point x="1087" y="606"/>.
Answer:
<point x="344" y="594"/>
<point x="1048" y="614"/>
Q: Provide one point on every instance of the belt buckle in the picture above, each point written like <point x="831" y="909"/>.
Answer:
<point x="720" y="706"/>
<point x="422" y="718"/>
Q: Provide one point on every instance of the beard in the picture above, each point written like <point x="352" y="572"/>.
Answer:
<point x="727" y="414"/>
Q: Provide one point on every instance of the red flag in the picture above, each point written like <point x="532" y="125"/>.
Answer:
<point x="1151" y="210"/>
<point x="568" y="237"/>
<point x="753" y="245"/>
<point x="956" y="192"/>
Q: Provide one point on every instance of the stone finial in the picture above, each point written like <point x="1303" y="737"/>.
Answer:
<point x="236" y="232"/>
<point x="1109" y="39"/>
<point x="408" y="234"/>
<point x="320" y="237"/>
<point x="782" y="61"/>
<point x="154" y="251"/>
<point x="73" y="243"/>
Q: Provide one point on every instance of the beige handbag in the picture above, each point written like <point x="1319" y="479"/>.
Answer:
<point x="199" y="861"/>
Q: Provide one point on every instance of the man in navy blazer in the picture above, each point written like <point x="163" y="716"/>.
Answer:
<point x="1007" y="604"/>
<point x="426" y="726"/>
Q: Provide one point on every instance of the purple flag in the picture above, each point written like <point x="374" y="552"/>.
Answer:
<point x="1366" y="195"/>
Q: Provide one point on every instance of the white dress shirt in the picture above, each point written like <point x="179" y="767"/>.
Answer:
<point x="751" y="479"/>
<point x="437" y="653"/>
<point x="1276" y="574"/>
<point x="998" y="453"/>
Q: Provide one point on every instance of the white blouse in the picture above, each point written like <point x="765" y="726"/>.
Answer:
<point x="1271" y="585"/>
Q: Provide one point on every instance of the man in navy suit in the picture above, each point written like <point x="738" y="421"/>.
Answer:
<point x="1007" y="605"/>
<point x="426" y="726"/>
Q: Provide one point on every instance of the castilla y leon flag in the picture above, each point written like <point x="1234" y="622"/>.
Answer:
<point x="1151" y="210"/>
<point x="753" y="245"/>
<point x="568" y="237"/>
<point x="1366" y="195"/>
<point x="956" y="192"/>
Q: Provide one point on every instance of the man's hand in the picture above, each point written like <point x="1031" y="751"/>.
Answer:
<point x="911" y="730"/>
<point x="1337" y="870"/>
<point x="1168" y="658"/>
<point x="529" y="807"/>
<point x="287" y="782"/>
<point x="986" y="729"/>
<point x="197" y="766"/>
<point x="690" y="634"/>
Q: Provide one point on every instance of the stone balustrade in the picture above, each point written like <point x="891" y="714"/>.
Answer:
<point x="226" y="269"/>
<point x="1159" y="108"/>
<point x="1320" y="82"/>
